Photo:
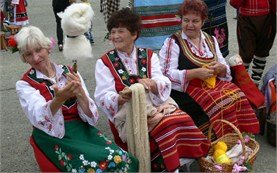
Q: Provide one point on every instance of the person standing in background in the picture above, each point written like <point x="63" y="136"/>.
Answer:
<point x="256" y="30"/>
<point x="20" y="16"/>
<point x="59" y="6"/>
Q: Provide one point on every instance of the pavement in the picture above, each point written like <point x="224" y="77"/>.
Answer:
<point x="16" y="152"/>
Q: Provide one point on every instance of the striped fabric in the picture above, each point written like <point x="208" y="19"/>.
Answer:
<point x="225" y="101"/>
<point x="177" y="137"/>
<point x="258" y="69"/>
<point x="159" y="21"/>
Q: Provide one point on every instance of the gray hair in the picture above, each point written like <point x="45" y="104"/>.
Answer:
<point x="31" y="38"/>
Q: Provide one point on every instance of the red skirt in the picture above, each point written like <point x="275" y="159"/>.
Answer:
<point x="225" y="101"/>
<point x="176" y="136"/>
<point x="45" y="164"/>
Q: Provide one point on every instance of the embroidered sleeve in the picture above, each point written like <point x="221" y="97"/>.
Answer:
<point x="169" y="55"/>
<point x="163" y="83"/>
<point x="221" y="60"/>
<point x="38" y="111"/>
<point x="91" y="120"/>
<point x="106" y="96"/>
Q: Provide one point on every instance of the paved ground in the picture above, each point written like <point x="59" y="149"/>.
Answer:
<point x="16" y="153"/>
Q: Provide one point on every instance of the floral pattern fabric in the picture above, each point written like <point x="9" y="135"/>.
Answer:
<point x="127" y="78"/>
<point x="129" y="68"/>
<point x="84" y="149"/>
<point x="111" y="163"/>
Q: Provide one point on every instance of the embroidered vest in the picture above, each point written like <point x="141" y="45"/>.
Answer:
<point x="119" y="71"/>
<point x="69" y="108"/>
<point x="187" y="59"/>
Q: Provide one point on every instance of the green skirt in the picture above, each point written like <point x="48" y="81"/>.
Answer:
<point x="84" y="149"/>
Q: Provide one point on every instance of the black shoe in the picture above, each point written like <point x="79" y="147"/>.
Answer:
<point x="60" y="47"/>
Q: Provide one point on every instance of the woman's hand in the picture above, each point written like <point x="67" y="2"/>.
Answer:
<point x="62" y="94"/>
<point x="73" y="88"/>
<point x="78" y="91"/>
<point x="219" y="69"/>
<point x="65" y="93"/>
<point x="124" y="96"/>
<point x="123" y="99"/>
<point x="149" y="84"/>
<point x="200" y="73"/>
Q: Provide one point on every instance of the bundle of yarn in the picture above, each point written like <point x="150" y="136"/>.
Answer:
<point x="137" y="136"/>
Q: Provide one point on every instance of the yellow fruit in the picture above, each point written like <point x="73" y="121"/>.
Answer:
<point x="220" y="145"/>
<point x="218" y="153"/>
<point x="223" y="159"/>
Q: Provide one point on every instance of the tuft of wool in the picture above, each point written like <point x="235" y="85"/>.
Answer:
<point x="77" y="48"/>
<point x="76" y="20"/>
<point x="235" y="60"/>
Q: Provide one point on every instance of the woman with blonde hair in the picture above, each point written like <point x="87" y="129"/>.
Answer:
<point x="56" y="102"/>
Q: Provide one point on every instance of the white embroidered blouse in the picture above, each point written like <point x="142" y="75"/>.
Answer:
<point x="106" y="96"/>
<point x="37" y="109"/>
<point x="169" y="55"/>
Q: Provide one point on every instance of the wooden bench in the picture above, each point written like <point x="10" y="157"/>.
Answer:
<point x="3" y="43"/>
<point x="13" y="28"/>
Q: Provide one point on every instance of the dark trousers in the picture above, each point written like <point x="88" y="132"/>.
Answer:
<point x="59" y="28"/>
<point x="255" y="35"/>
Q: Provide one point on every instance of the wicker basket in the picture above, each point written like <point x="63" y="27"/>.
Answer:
<point x="230" y="139"/>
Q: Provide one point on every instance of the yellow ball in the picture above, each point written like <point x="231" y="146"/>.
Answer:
<point x="221" y="145"/>
<point x="218" y="153"/>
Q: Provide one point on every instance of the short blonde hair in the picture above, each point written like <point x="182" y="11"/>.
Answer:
<point x="31" y="38"/>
